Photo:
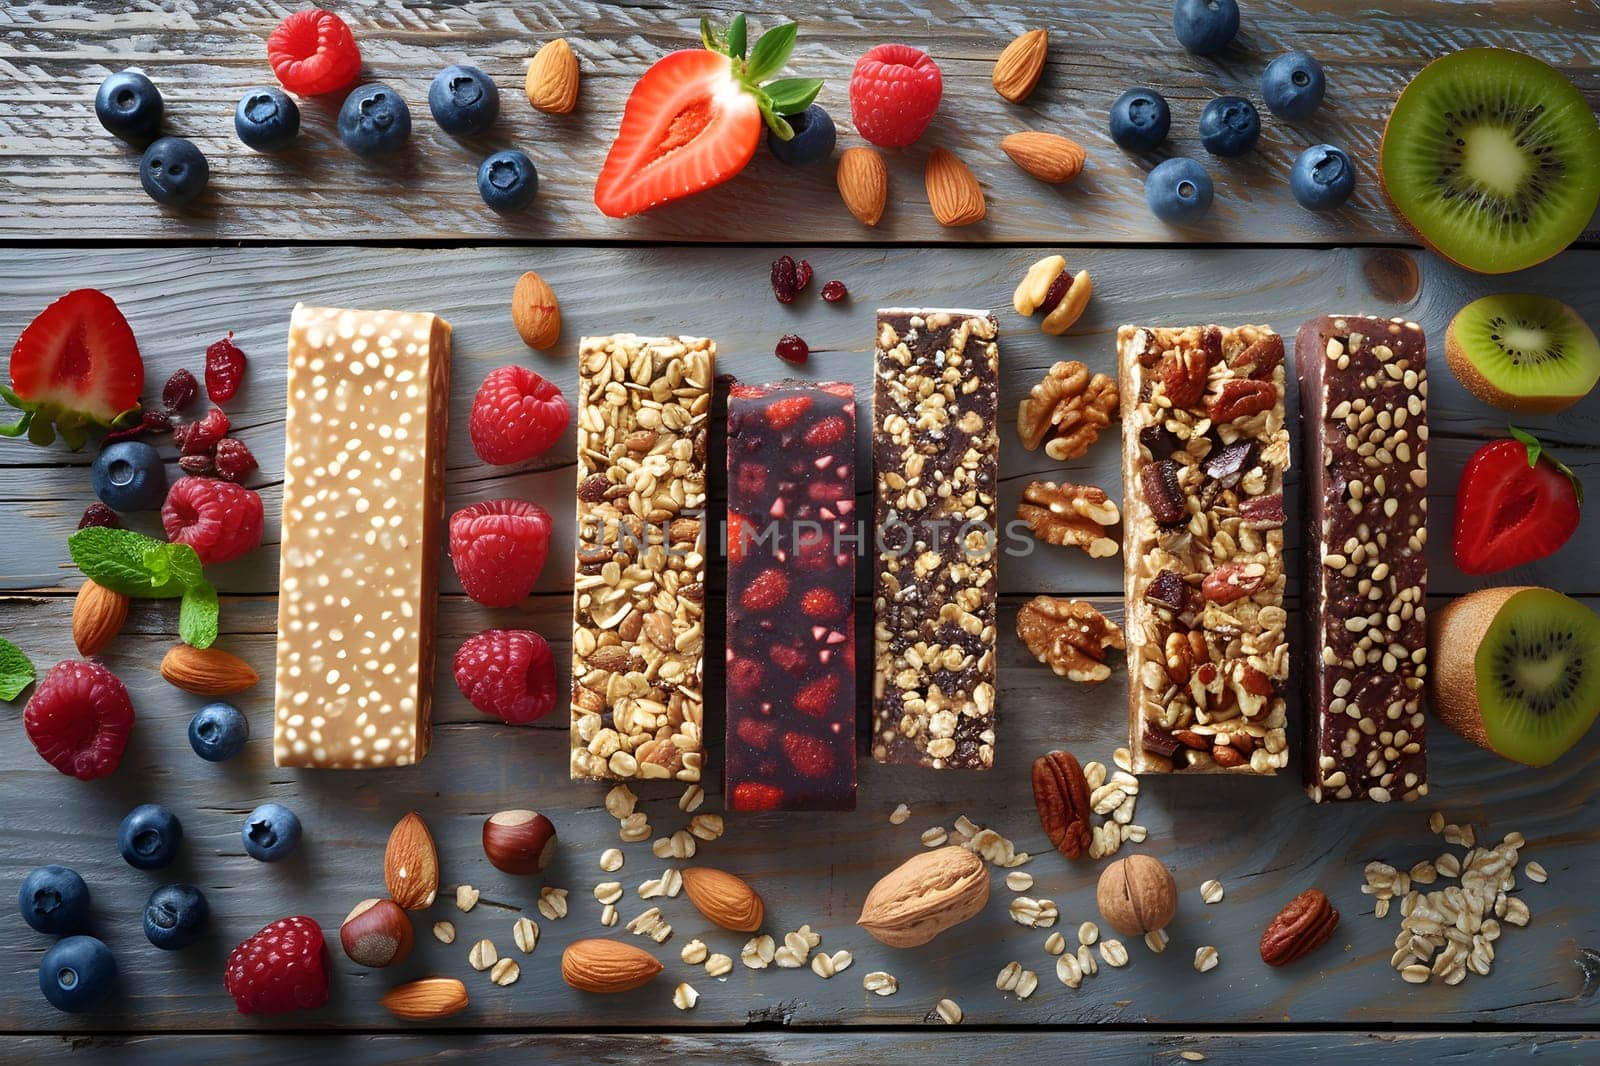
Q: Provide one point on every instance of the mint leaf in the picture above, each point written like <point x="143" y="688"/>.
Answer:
<point x="790" y="96"/>
<point x="197" y="616"/>
<point x="16" y="672"/>
<point x="771" y="52"/>
<point x="134" y="564"/>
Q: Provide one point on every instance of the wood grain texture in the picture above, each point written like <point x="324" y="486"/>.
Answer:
<point x="1261" y="838"/>
<point x="61" y="173"/>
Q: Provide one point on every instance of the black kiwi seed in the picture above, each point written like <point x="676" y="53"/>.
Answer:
<point x="1554" y="350"/>
<point x="1548" y="699"/>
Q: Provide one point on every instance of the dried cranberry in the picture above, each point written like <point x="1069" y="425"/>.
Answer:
<point x="98" y="514"/>
<point x="225" y="365"/>
<point x="1263" y="512"/>
<point x="1162" y="493"/>
<point x="1159" y="441"/>
<point x="179" y="391"/>
<point x="1169" y="590"/>
<point x="834" y="291"/>
<point x="150" y="422"/>
<point x="1227" y="464"/>
<point x="198" y="465"/>
<point x="1056" y="293"/>
<point x="791" y="349"/>
<point x="785" y="281"/>
<point x="1211" y="344"/>
<point x="802" y="275"/>
<point x="198" y="438"/>
<point x="233" y="459"/>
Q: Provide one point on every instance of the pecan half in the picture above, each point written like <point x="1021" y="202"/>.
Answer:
<point x="1183" y="376"/>
<point x="1162" y="492"/>
<point x="1240" y="398"/>
<point x="1070" y="516"/>
<point x="1061" y="794"/>
<point x="1304" y="925"/>
<point x="1072" y="404"/>
<point x="1233" y="581"/>
<point x="1069" y="636"/>
<point x="1257" y="360"/>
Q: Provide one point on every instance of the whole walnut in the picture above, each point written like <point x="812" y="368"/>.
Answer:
<point x="1137" y="895"/>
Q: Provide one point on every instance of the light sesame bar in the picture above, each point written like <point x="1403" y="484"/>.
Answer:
<point x="1205" y="449"/>
<point x="363" y="507"/>
<point x="1364" y="406"/>
<point x="644" y="405"/>
<point x="935" y="449"/>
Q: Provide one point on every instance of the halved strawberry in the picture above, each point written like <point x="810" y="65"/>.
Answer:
<point x="694" y="119"/>
<point x="75" y="366"/>
<point x="1515" y="503"/>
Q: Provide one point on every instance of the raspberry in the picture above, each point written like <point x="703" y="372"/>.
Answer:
<point x="809" y="756"/>
<point x="149" y="422"/>
<point x="313" y="52"/>
<point x="508" y="673"/>
<point x="787" y="659"/>
<point x="198" y="438"/>
<point x="755" y="732"/>
<point x="233" y="460"/>
<point x="818" y="698"/>
<point x="225" y="365"/>
<point x="821" y="604"/>
<point x="498" y="548"/>
<point x="218" y="519"/>
<point x="179" y="391"/>
<point x="744" y="677"/>
<point x="781" y="414"/>
<point x="79" y="718"/>
<point x="834" y="291"/>
<point x="893" y="94"/>
<point x="754" y="796"/>
<point x="516" y="415"/>
<point x="284" y="967"/>
<point x="768" y="591"/>
<point x="828" y="432"/>
<point x="98" y="514"/>
<point x="792" y="349"/>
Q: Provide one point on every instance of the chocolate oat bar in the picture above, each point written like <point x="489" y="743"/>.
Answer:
<point x="1205" y="449"/>
<point x="791" y="676"/>
<point x="935" y="449"/>
<point x="1364" y="405"/>
<point x="638" y="626"/>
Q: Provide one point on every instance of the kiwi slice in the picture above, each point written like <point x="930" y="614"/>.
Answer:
<point x="1523" y="352"/>
<point x="1492" y="158"/>
<point x="1517" y="671"/>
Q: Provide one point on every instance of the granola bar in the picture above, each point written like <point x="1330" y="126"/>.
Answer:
<point x="644" y="404"/>
<point x="791" y="597"/>
<point x="1205" y="449"/>
<point x="935" y="448"/>
<point x="1364" y="405"/>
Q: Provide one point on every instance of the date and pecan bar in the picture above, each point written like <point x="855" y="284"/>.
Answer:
<point x="1205" y="449"/>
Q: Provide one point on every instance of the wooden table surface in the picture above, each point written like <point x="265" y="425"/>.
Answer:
<point x="317" y="225"/>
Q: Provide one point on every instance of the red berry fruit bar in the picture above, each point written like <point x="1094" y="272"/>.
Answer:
<point x="363" y="521"/>
<point x="1364" y="405"/>
<point x="935" y="450"/>
<point x="791" y="610"/>
<point x="638" y="608"/>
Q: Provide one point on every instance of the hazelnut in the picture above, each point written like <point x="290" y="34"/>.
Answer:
<point x="1137" y="895"/>
<point x="518" y="842"/>
<point x="376" y="933"/>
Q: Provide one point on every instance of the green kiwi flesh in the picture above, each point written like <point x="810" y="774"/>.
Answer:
<point x="1493" y="158"/>
<point x="1523" y="352"/>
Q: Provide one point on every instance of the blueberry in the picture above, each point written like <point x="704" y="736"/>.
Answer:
<point x="128" y="476"/>
<point x="1140" y="119"/>
<point x="1178" y="190"/>
<point x="374" y="121"/>
<point x="507" y="181"/>
<point x="175" y="916"/>
<point x="1322" y="177"/>
<point x="218" y="731"/>
<point x="271" y="832"/>
<point x="1205" y="26"/>
<point x="812" y="141"/>
<point x="149" y="836"/>
<point x="129" y="106"/>
<point x="54" y="900"/>
<point x="77" y="973"/>
<point x="1229" y="125"/>
<point x="173" y="171"/>
<point x="1292" y="85"/>
<point x="463" y="100"/>
<point x="266" y="119"/>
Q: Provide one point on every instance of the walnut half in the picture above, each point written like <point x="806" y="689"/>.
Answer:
<point x="1070" y="516"/>
<point x="1072" y="404"/>
<point x="1069" y="636"/>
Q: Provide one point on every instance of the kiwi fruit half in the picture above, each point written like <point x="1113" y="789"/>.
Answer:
<point x="1492" y="158"/>
<point x="1516" y="670"/>
<point x="1523" y="352"/>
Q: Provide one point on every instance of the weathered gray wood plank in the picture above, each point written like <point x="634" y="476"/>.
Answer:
<point x="61" y="174"/>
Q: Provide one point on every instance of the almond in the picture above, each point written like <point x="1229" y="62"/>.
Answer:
<point x="411" y="864"/>
<point x="431" y="997"/>
<point x="552" y="84"/>
<point x="953" y="193"/>
<point x="535" y="311"/>
<point x="924" y="896"/>
<point x="97" y="616"/>
<point x="1017" y="70"/>
<point x="606" y="966"/>
<point x="863" y="183"/>
<point x="724" y="898"/>
<point x="207" y="671"/>
<point x="1046" y="156"/>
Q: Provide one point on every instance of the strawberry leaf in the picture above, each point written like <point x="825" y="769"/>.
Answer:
<point x="777" y="123"/>
<point x="1530" y="442"/>
<point x="790" y="96"/>
<point x="711" y="37"/>
<point x="736" y="38"/>
<point x="16" y="672"/>
<point x="771" y="52"/>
